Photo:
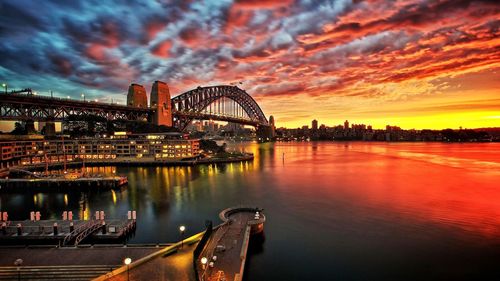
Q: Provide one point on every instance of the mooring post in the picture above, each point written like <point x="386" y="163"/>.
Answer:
<point x="55" y="229"/>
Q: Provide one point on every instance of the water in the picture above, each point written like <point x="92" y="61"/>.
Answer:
<point x="336" y="211"/>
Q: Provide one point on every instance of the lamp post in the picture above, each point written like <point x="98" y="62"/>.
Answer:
<point x="204" y="262"/>
<point x="83" y="96"/>
<point x="18" y="263"/>
<point x="5" y="86"/>
<point x="182" y="229"/>
<point x="127" y="262"/>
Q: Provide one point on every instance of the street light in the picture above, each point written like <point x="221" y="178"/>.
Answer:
<point x="18" y="263"/>
<point x="83" y="96"/>
<point x="204" y="262"/>
<point x="182" y="229"/>
<point x="127" y="262"/>
<point x="5" y="86"/>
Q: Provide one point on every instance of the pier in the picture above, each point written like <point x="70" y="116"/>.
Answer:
<point x="66" y="232"/>
<point x="225" y="253"/>
<point x="61" y="184"/>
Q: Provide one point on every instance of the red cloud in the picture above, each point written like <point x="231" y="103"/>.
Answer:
<point x="162" y="49"/>
<point x="152" y="28"/>
<point x="96" y="51"/>
<point x="111" y="36"/>
<point x="263" y="4"/>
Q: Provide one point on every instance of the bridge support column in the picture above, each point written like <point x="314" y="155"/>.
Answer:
<point x="264" y="134"/>
<point x="29" y="127"/>
<point x="49" y="129"/>
<point x="160" y="101"/>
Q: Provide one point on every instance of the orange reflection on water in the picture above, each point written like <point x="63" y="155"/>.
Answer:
<point x="453" y="186"/>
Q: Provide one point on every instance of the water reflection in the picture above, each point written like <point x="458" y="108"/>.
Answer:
<point x="356" y="209"/>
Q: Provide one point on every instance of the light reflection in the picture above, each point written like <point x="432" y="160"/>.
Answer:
<point x="113" y="196"/>
<point x="65" y="199"/>
<point x="84" y="210"/>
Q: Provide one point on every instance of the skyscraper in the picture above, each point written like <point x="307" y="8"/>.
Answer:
<point x="315" y="125"/>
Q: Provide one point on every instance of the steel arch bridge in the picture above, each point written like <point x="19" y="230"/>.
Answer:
<point x="222" y="103"/>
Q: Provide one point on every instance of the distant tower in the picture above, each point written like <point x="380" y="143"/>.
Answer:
<point x="315" y="124"/>
<point x="136" y="96"/>
<point x="346" y="124"/>
<point x="273" y="127"/>
<point x="160" y="100"/>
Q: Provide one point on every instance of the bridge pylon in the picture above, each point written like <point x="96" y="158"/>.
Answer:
<point x="136" y="96"/>
<point x="160" y="101"/>
<point x="264" y="133"/>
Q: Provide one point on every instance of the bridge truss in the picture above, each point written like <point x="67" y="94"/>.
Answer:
<point x="222" y="103"/>
<point x="39" y="108"/>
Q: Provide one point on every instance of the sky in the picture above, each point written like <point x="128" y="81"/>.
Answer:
<point x="412" y="63"/>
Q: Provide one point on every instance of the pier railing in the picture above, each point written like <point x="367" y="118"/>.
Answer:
<point x="95" y="225"/>
<point x="79" y="229"/>
<point x="201" y="245"/>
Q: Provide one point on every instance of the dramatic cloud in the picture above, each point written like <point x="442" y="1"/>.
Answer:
<point x="333" y="59"/>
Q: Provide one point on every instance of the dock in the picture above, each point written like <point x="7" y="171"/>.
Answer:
<point x="57" y="184"/>
<point x="65" y="232"/>
<point x="224" y="254"/>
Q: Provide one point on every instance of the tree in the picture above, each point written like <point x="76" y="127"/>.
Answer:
<point x="19" y="129"/>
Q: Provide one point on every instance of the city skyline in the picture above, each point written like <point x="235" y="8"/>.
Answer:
<point x="413" y="64"/>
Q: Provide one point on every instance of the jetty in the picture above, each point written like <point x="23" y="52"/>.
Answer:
<point x="65" y="232"/>
<point x="61" y="184"/>
<point x="224" y="254"/>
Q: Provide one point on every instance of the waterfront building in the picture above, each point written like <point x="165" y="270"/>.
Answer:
<point x="116" y="148"/>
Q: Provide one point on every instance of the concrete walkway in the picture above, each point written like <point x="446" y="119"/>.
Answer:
<point x="174" y="267"/>
<point x="72" y="256"/>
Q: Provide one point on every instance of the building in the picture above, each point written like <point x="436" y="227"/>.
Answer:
<point x="346" y="125"/>
<point x="315" y="125"/>
<point x="162" y="146"/>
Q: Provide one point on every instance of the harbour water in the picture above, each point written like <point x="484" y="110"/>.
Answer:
<point x="335" y="210"/>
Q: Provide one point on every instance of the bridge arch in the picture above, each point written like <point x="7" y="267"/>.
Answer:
<point x="190" y="105"/>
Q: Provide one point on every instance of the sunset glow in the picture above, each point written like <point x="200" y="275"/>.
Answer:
<point x="411" y="63"/>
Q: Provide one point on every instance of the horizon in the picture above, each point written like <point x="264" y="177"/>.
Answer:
<point x="413" y="64"/>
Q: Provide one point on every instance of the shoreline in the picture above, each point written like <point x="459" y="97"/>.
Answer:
<point x="138" y="162"/>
